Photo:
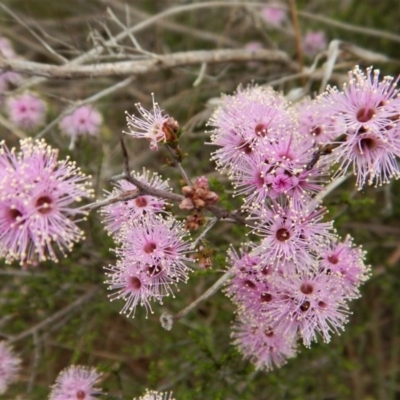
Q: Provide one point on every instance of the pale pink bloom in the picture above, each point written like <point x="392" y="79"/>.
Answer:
<point x="85" y="120"/>
<point x="314" y="42"/>
<point x="369" y="107"/>
<point x="308" y="305"/>
<point x="38" y="193"/>
<point x="151" y="125"/>
<point x="259" y="343"/>
<point x="26" y="111"/>
<point x="9" y="366"/>
<point x="273" y="15"/>
<point x="117" y="213"/>
<point x="151" y="260"/>
<point x="76" y="383"/>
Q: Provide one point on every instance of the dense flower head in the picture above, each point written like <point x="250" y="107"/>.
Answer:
<point x="345" y="260"/>
<point x="152" y="257"/>
<point x="38" y="193"/>
<point x="245" y="122"/>
<point x="152" y="125"/>
<point x="369" y="107"/>
<point x="76" y="383"/>
<point x="307" y="305"/>
<point x="314" y="42"/>
<point x="85" y="120"/>
<point x="26" y="111"/>
<point x="262" y="345"/>
<point x="117" y="213"/>
<point x="9" y="366"/>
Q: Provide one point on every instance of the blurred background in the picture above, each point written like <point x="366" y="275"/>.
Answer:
<point x="61" y="313"/>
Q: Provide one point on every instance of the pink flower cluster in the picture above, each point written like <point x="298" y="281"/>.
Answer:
<point x="38" y="193"/>
<point x="152" y="246"/>
<point x="297" y="281"/>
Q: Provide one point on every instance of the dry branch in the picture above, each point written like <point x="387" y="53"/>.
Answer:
<point x="145" y="66"/>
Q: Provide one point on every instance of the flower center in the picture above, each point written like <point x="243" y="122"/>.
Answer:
<point x="305" y="306"/>
<point x="316" y="131"/>
<point x="368" y="144"/>
<point x="141" y="201"/>
<point x="333" y="259"/>
<point x="282" y="234"/>
<point x="306" y="288"/>
<point x="149" y="247"/>
<point x="261" y="130"/>
<point x="14" y="214"/>
<point x="249" y="284"/>
<point x="365" y="114"/>
<point x="135" y="284"/>
<point x="265" y="297"/>
<point x="43" y="204"/>
<point x="80" y="395"/>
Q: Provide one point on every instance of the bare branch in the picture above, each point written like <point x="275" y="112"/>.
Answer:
<point x="147" y="66"/>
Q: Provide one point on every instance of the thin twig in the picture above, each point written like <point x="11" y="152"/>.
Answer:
<point x="167" y="320"/>
<point x="88" y="100"/>
<point x="147" y="66"/>
<point x="59" y="314"/>
<point x="178" y="165"/>
<point x="129" y="195"/>
<point x="209" y="226"/>
<point x="297" y="37"/>
<point x="219" y="212"/>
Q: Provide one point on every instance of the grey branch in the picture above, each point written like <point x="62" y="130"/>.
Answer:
<point x="146" y="66"/>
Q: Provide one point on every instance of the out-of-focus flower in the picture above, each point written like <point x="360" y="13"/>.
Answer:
<point x="314" y="42"/>
<point x="117" y="213"/>
<point x="85" y="120"/>
<point x="273" y="14"/>
<point x="9" y="366"/>
<point x="37" y="196"/>
<point x="153" y="126"/>
<point x="76" y="383"/>
<point x="26" y="111"/>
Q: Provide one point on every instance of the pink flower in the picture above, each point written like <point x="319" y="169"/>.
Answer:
<point x="85" y="120"/>
<point x="152" y="257"/>
<point x="369" y="107"/>
<point x="291" y="234"/>
<point x="26" y="111"/>
<point x="151" y="126"/>
<point x="260" y="344"/>
<point x="6" y="48"/>
<point x="245" y="123"/>
<point x="117" y="213"/>
<point x="314" y="42"/>
<point x="273" y="15"/>
<point x="9" y="366"/>
<point x="37" y="202"/>
<point x="308" y="305"/>
<point x="76" y="383"/>
<point x="346" y="261"/>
